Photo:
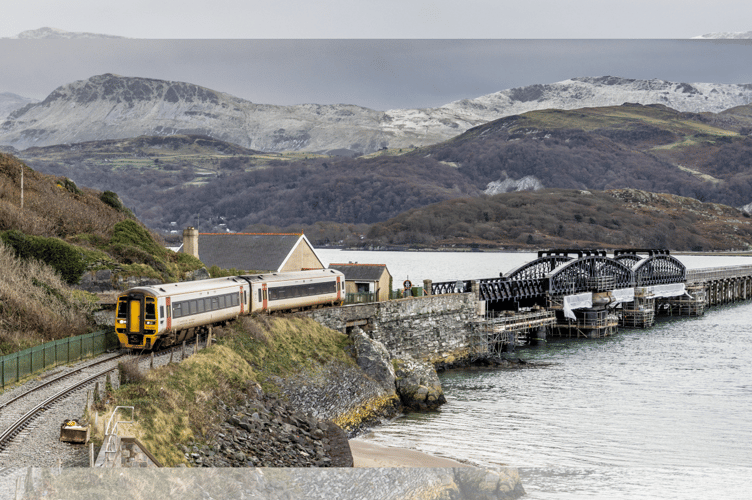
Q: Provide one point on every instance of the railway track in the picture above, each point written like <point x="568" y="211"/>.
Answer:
<point x="17" y="412"/>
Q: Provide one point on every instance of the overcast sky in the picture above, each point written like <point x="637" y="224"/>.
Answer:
<point x="380" y="18"/>
<point x="381" y="54"/>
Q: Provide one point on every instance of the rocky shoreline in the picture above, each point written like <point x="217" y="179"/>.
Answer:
<point x="317" y="411"/>
<point x="266" y="432"/>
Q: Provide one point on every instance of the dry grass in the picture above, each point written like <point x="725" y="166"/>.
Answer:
<point x="35" y="304"/>
<point x="178" y="402"/>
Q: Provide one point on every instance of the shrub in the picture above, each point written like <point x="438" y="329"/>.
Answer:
<point x="59" y="255"/>
<point x="130" y="233"/>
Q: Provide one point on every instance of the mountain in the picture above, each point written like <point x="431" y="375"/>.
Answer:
<point x="115" y="107"/>
<point x="726" y="35"/>
<point x="651" y="148"/>
<point x="10" y="102"/>
<point x="57" y="34"/>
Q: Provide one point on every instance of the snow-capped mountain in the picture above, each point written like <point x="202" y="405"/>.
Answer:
<point x="56" y="33"/>
<point x="726" y="35"/>
<point x="115" y="107"/>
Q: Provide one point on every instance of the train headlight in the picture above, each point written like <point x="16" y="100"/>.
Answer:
<point x="121" y="322"/>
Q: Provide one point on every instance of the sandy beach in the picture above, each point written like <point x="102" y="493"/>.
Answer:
<point x="367" y="454"/>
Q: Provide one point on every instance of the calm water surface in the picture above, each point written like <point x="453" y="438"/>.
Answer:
<point x="663" y="412"/>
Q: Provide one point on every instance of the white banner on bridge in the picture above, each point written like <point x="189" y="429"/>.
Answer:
<point x="621" y="295"/>
<point x="579" y="301"/>
<point x="670" y="290"/>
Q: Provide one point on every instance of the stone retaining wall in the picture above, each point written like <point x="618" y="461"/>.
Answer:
<point x="427" y="327"/>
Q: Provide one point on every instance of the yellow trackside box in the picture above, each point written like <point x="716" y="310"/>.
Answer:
<point x="72" y="432"/>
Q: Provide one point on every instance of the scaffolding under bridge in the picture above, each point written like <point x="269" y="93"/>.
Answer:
<point x="500" y="333"/>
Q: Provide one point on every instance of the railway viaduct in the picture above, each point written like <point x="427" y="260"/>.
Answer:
<point x="564" y="292"/>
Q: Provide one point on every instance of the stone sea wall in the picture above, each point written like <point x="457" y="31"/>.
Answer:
<point x="430" y="328"/>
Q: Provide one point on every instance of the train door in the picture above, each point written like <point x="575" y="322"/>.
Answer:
<point x="242" y="300"/>
<point x="135" y="314"/>
<point x="169" y="313"/>
<point x="265" y="297"/>
<point x="339" y="289"/>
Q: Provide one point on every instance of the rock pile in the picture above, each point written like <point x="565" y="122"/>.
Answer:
<point x="418" y="385"/>
<point x="265" y="432"/>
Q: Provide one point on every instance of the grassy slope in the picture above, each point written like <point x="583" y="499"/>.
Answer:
<point x="179" y="402"/>
<point x="35" y="306"/>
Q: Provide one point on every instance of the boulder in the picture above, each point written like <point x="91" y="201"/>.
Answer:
<point x="374" y="359"/>
<point x="418" y="384"/>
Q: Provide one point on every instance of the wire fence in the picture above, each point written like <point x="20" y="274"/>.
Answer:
<point x="16" y="366"/>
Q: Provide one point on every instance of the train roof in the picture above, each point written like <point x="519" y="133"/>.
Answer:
<point x="200" y="285"/>
<point x="188" y="286"/>
<point x="271" y="277"/>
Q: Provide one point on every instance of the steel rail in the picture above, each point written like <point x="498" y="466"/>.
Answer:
<point x="22" y="422"/>
<point x="57" y="379"/>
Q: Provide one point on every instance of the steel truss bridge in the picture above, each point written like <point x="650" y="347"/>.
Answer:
<point x="562" y="272"/>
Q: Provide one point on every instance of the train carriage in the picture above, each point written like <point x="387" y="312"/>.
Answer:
<point x="161" y="315"/>
<point x="295" y="290"/>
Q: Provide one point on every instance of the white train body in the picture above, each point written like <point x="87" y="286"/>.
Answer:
<point x="161" y="315"/>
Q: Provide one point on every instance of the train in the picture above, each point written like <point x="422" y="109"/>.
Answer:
<point x="150" y="317"/>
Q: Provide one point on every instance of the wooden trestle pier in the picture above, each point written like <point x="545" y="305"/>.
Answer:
<point x="587" y="293"/>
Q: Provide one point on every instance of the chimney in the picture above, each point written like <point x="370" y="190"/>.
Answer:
<point x="190" y="241"/>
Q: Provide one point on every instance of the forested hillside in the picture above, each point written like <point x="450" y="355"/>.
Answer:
<point x="551" y="218"/>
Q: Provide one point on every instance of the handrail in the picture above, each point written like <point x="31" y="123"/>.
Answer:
<point x="111" y="432"/>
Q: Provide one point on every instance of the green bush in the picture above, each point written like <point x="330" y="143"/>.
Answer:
<point x="131" y="233"/>
<point x="56" y="253"/>
<point x="111" y="199"/>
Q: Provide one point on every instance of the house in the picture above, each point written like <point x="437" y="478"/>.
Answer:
<point x="366" y="278"/>
<point x="265" y="252"/>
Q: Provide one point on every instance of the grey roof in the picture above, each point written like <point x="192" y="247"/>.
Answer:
<point x="364" y="272"/>
<point x="246" y="251"/>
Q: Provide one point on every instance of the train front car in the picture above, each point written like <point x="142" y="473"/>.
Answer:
<point x="137" y="320"/>
<point x="163" y="315"/>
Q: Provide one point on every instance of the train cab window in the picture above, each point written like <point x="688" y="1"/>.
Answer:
<point x="259" y="295"/>
<point x="161" y="312"/>
<point x="150" y="311"/>
<point x="122" y="308"/>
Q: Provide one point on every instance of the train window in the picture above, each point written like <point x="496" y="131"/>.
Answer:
<point x="192" y="307"/>
<point x="161" y="311"/>
<point x="122" y="310"/>
<point x="150" y="309"/>
<point x="235" y="299"/>
<point x="259" y="295"/>
<point x="200" y="305"/>
<point x="177" y="310"/>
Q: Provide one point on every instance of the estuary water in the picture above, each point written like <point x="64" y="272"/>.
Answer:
<point x="659" y="413"/>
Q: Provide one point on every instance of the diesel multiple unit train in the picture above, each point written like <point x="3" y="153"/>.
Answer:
<point x="161" y="315"/>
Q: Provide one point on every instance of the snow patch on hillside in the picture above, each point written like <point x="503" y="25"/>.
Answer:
<point x="527" y="183"/>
